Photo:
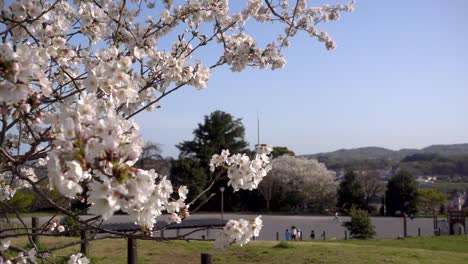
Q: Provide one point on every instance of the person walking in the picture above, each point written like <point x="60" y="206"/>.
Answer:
<point x="286" y="235"/>
<point x="336" y="217"/>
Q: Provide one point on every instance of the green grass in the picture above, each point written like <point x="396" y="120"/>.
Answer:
<point x="453" y="249"/>
<point x="31" y="214"/>
<point x="442" y="243"/>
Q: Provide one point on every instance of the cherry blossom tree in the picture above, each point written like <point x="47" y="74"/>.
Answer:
<point x="308" y="180"/>
<point x="75" y="73"/>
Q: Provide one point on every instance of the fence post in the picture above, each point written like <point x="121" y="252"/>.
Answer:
<point x="419" y="231"/>
<point x="132" y="251"/>
<point x="459" y="230"/>
<point x="346" y="235"/>
<point x="277" y="236"/>
<point x="206" y="258"/>
<point x="439" y="232"/>
<point x="84" y="244"/>
<point x="34" y="229"/>
<point x="324" y="236"/>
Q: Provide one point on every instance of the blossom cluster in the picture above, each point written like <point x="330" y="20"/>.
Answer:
<point x="241" y="51"/>
<point x="54" y="226"/>
<point x="239" y="232"/>
<point x="78" y="258"/>
<point x="243" y="172"/>
<point x="10" y="184"/>
<point x="23" y="69"/>
<point x="96" y="148"/>
<point x="22" y="257"/>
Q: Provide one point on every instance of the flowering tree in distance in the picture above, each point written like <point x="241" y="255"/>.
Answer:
<point x="308" y="182"/>
<point x="75" y="73"/>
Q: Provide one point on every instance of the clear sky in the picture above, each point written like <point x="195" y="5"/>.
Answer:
<point x="398" y="79"/>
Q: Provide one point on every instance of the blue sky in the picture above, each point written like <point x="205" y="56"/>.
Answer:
<point x="398" y="79"/>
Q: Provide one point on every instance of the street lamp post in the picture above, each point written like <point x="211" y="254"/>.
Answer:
<point x="405" y="227"/>
<point x="222" y="202"/>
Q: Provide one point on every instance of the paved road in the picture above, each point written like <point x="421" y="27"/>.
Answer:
<point x="386" y="227"/>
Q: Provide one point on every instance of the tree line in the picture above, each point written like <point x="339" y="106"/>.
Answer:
<point x="294" y="185"/>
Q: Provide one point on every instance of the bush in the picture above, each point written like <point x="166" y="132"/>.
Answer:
<point x="22" y="200"/>
<point x="360" y="225"/>
<point x="71" y="226"/>
<point x="40" y="246"/>
<point x="283" y="244"/>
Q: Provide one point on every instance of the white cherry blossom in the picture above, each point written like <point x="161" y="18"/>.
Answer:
<point x="75" y="73"/>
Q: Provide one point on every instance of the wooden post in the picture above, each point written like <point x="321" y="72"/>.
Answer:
<point x="34" y="229"/>
<point x="419" y="231"/>
<point x="132" y="251"/>
<point x="162" y="233"/>
<point x="178" y="232"/>
<point x="346" y="235"/>
<point x="440" y="232"/>
<point x="459" y="230"/>
<point x="324" y="236"/>
<point x="206" y="258"/>
<point x="84" y="244"/>
<point x="277" y="236"/>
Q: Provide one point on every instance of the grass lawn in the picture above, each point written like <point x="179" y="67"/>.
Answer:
<point x="453" y="249"/>
<point x="32" y="214"/>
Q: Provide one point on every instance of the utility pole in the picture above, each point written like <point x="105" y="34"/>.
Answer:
<point x="258" y="129"/>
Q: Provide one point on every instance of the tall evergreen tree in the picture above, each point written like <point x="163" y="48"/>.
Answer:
<point x="220" y="130"/>
<point x="350" y="192"/>
<point x="401" y="195"/>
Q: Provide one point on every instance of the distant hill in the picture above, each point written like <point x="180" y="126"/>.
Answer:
<point x="447" y="150"/>
<point x="365" y="153"/>
<point x="436" y="158"/>
<point x="366" y="157"/>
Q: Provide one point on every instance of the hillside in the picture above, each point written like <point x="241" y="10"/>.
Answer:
<point x="433" y="160"/>
<point x="447" y="150"/>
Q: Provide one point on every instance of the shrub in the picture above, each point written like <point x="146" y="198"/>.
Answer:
<point x="71" y="226"/>
<point x="22" y="200"/>
<point x="40" y="246"/>
<point x="360" y="225"/>
<point x="283" y="244"/>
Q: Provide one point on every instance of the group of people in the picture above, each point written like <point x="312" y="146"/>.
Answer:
<point x="295" y="234"/>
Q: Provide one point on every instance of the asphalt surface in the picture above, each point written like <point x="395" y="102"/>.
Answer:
<point x="386" y="227"/>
